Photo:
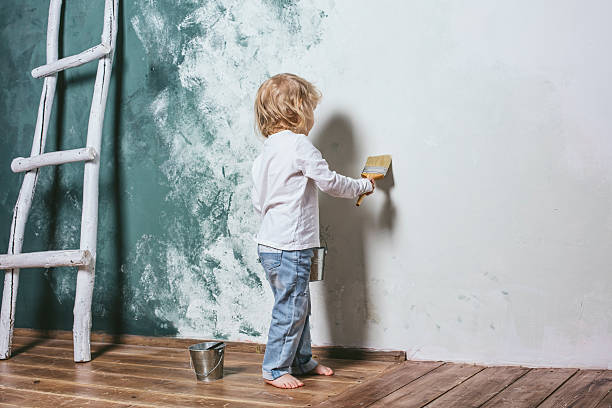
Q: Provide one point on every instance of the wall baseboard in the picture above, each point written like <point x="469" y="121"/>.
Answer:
<point x="351" y="353"/>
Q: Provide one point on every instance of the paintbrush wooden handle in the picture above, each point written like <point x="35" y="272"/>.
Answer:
<point x="369" y="177"/>
<point x="360" y="199"/>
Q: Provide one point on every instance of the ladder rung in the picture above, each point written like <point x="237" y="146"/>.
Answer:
<point x="72" y="61"/>
<point x="46" y="259"/>
<point x="20" y="164"/>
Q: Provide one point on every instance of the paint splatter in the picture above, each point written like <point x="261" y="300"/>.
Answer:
<point x="206" y="61"/>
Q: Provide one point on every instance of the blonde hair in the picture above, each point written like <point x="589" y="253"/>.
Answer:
<point x="285" y="102"/>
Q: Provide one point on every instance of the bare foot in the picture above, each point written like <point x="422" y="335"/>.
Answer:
<point x="285" y="381"/>
<point x="320" y="369"/>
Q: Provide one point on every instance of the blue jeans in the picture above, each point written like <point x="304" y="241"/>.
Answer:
<point x="288" y="350"/>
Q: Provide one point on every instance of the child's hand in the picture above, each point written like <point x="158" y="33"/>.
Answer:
<point x="373" y="184"/>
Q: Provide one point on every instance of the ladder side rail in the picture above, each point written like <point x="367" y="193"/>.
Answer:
<point x="26" y="193"/>
<point x="89" y="219"/>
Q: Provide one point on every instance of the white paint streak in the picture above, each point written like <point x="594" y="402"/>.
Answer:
<point x="236" y="47"/>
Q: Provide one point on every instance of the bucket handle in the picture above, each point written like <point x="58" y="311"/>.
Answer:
<point x="214" y="368"/>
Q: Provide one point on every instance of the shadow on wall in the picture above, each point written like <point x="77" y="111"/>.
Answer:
<point x="343" y="230"/>
<point x="117" y="326"/>
<point x="386" y="217"/>
<point x="47" y="316"/>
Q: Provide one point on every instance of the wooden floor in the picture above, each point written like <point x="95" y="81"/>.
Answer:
<point x="41" y="373"/>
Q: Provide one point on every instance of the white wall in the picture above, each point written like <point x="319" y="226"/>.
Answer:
<point x="492" y="243"/>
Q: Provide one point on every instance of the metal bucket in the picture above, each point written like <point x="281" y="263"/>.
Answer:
<point x="317" y="264"/>
<point x="207" y="364"/>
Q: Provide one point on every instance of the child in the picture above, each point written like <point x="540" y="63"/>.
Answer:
<point x="285" y="179"/>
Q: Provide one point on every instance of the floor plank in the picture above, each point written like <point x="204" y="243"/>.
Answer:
<point x="42" y="373"/>
<point x="351" y="353"/>
<point x="480" y="388"/>
<point x="242" y="371"/>
<point x="584" y="390"/>
<point x="429" y="386"/>
<point x="231" y="377"/>
<point x="345" y="370"/>
<point x="387" y="382"/>
<point x="142" y="393"/>
<point x="24" y="398"/>
<point x="167" y="355"/>
<point x="221" y="389"/>
<point x="531" y="389"/>
<point x="606" y="402"/>
<point x="181" y="368"/>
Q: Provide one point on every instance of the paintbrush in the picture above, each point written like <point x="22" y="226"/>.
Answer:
<point x="375" y="168"/>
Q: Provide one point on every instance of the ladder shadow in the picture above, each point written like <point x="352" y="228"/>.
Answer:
<point x="29" y="346"/>
<point x="75" y="79"/>
<point x="107" y="347"/>
<point x="117" y="325"/>
<point x="47" y="315"/>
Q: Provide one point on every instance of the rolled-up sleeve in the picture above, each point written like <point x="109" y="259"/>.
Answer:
<point x="312" y="164"/>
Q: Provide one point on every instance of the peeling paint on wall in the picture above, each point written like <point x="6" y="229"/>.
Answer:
<point x="218" y="52"/>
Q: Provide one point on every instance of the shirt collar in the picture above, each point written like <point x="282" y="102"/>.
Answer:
<point x="274" y="135"/>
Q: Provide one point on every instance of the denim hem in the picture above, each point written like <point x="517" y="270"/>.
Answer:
<point x="303" y="368"/>
<point x="274" y="374"/>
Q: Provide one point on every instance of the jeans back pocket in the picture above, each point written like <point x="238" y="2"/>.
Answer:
<point x="270" y="261"/>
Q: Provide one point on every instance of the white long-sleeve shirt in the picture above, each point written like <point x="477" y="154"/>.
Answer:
<point x="285" y="179"/>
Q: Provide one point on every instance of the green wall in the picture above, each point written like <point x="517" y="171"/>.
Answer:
<point x="175" y="255"/>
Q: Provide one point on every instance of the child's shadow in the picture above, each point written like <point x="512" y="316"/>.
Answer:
<point x="343" y="227"/>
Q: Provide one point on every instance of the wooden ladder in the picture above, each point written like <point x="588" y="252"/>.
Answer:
<point x="85" y="257"/>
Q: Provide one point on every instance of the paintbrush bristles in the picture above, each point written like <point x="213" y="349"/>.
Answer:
<point x="377" y="165"/>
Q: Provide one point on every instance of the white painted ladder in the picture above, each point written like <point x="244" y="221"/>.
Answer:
<point x="85" y="257"/>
